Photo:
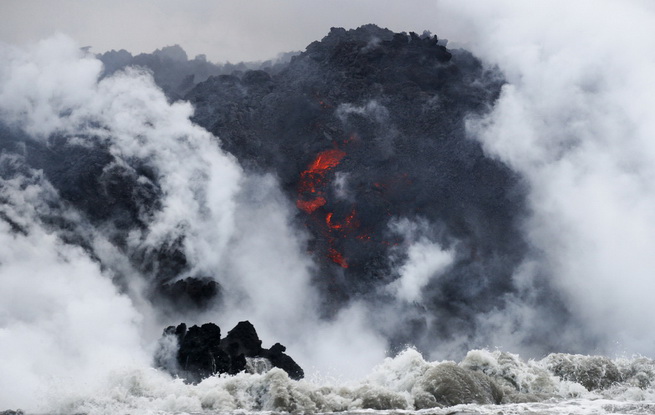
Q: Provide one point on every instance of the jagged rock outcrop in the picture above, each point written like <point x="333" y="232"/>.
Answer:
<point x="199" y="351"/>
<point x="175" y="73"/>
<point x="279" y="359"/>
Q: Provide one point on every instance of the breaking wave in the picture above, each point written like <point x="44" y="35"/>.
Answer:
<point x="482" y="380"/>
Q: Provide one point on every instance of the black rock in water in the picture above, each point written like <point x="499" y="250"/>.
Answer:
<point x="279" y="359"/>
<point x="243" y="339"/>
<point x="200" y="352"/>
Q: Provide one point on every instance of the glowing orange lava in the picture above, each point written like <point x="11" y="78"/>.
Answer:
<point x="347" y="224"/>
<point x="311" y="197"/>
<point x="325" y="161"/>
<point x="337" y="258"/>
<point x="335" y="229"/>
<point x="328" y="220"/>
<point x="312" y="178"/>
<point x="310" y="206"/>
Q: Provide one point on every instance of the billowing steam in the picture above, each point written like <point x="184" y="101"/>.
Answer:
<point x="62" y="320"/>
<point x="425" y="260"/>
<point x="575" y="120"/>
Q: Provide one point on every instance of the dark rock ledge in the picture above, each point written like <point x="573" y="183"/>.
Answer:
<point x="199" y="352"/>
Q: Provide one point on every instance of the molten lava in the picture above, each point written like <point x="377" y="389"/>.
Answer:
<point x="348" y="223"/>
<point x="326" y="160"/>
<point x="337" y="258"/>
<point x="312" y="197"/>
<point x="313" y="177"/>
<point x="309" y="206"/>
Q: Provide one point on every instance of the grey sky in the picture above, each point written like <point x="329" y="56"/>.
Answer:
<point x="223" y="30"/>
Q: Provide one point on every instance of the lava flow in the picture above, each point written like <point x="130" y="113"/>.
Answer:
<point x="337" y="258"/>
<point x="310" y="206"/>
<point x="312" y="178"/>
<point x="312" y="197"/>
<point x="347" y="224"/>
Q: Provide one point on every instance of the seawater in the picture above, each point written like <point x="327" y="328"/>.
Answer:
<point x="484" y="382"/>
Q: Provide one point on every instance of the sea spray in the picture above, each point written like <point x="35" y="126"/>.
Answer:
<point x="407" y="382"/>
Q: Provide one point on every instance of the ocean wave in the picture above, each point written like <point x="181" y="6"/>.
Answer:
<point x="482" y="380"/>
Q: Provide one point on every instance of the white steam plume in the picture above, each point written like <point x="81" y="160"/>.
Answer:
<point x="577" y="120"/>
<point x="63" y="324"/>
<point x="426" y="260"/>
<point x="237" y="229"/>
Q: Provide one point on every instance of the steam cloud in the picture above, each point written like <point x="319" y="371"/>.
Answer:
<point x="575" y="120"/>
<point x="60" y="315"/>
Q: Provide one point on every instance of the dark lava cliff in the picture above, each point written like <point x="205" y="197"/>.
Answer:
<point x="367" y="126"/>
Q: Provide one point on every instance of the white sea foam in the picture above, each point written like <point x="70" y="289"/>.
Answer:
<point x="406" y="382"/>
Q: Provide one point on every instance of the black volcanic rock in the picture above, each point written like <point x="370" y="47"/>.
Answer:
<point x="279" y="359"/>
<point x="174" y="72"/>
<point x="392" y="107"/>
<point x="202" y="353"/>
<point x="243" y="339"/>
<point x="190" y="292"/>
<point x="91" y="179"/>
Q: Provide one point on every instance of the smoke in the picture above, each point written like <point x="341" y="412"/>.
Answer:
<point x="576" y="120"/>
